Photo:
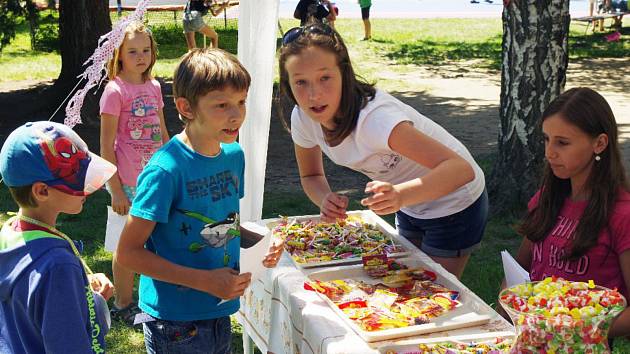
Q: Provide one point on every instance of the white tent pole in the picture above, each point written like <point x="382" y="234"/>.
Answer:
<point x="257" y="32"/>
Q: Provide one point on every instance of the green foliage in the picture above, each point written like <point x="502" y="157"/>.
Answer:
<point x="47" y="38"/>
<point x="11" y="15"/>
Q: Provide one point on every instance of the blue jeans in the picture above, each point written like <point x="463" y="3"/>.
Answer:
<point x="450" y="236"/>
<point x="188" y="337"/>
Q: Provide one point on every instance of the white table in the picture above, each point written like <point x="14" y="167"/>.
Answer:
<point x="281" y="317"/>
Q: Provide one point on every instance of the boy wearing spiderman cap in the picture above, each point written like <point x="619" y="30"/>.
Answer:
<point x="49" y="299"/>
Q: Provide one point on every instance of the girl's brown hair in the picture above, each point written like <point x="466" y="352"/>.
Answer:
<point x="355" y="92"/>
<point x="588" y="111"/>
<point x="114" y="66"/>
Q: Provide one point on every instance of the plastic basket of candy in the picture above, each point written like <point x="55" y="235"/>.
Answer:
<point x="556" y="315"/>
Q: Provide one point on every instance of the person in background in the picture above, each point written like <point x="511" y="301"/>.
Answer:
<point x="317" y="10"/>
<point x="193" y="21"/>
<point x="334" y="12"/>
<point x="365" y="15"/>
<point x="132" y="129"/>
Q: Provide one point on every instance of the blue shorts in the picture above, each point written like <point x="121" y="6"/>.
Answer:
<point x="188" y="337"/>
<point x="449" y="236"/>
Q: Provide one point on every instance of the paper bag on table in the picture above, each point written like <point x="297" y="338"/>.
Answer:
<point x="514" y="273"/>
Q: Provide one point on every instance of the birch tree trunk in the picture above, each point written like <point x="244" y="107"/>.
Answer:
<point x="533" y="73"/>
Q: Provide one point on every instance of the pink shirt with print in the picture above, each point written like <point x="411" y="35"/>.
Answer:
<point x="139" y="133"/>
<point x="600" y="263"/>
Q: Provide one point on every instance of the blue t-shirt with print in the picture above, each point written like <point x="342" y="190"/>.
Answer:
<point x="194" y="200"/>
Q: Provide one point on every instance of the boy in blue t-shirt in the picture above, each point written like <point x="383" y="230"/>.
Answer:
<point x="183" y="234"/>
<point x="50" y="302"/>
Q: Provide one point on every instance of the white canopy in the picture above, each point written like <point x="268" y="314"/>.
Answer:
<point x="257" y="30"/>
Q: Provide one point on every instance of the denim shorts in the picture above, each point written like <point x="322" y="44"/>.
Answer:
<point x="193" y="21"/>
<point x="449" y="236"/>
<point x="188" y="337"/>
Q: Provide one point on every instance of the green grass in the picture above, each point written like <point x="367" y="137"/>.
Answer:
<point x="19" y="62"/>
<point x="431" y="42"/>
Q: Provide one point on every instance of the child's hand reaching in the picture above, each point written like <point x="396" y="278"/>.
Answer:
<point x="273" y="255"/>
<point x="333" y="207"/>
<point x="101" y="284"/>
<point x="385" y="198"/>
<point x="226" y="283"/>
<point x="120" y="203"/>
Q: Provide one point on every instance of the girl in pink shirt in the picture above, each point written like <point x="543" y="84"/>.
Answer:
<point x="578" y="224"/>
<point x="132" y="129"/>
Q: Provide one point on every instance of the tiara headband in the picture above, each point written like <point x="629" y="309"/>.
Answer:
<point x="97" y="71"/>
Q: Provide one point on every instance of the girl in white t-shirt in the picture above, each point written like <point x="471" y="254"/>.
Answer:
<point x="419" y="171"/>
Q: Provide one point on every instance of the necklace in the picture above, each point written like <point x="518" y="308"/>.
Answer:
<point x="57" y="233"/>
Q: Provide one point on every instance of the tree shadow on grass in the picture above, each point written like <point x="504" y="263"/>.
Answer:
<point x="429" y="52"/>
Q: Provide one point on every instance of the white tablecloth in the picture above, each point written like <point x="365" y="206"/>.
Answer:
<point x="281" y="317"/>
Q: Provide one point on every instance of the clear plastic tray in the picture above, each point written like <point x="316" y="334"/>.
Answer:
<point x="472" y="312"/>
<point x="367" y="216"/>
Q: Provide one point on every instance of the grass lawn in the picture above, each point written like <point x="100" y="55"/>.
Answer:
<point x="404" y="41"/>
<point x="423" y="41"/>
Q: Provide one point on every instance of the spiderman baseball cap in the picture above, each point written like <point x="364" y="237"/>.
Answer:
<point x="54" y="154"/>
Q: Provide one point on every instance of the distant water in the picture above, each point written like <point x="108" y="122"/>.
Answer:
<point x="425" y="8"/>
<point x="398" y="8"/>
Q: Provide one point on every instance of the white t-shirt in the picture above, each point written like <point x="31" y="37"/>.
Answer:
<point x="366" y="150"/>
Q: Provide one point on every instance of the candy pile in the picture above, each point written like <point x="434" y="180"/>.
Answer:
<point x="403" y="297"/>
<point x="559" y="316"/>
<point x="311" y="242"/>
<point x="496" y="346"/>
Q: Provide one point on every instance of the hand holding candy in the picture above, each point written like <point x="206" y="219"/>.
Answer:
<point x="333" y="207"/>
<point x="273" y="255"/>
<point x="386" y="198"/>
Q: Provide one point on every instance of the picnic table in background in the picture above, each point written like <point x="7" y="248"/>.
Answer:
<point x="165" y="8"/>
<point x="598" y="20"/>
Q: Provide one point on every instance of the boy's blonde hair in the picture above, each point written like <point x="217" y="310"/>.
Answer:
<point x="114" y="66"/>
<point x="203" y="70"/>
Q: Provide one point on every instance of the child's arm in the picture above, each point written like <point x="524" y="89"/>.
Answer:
<point x="251" y="237"/>
<point x="224" y="283"/>
<point x="109" y="127"/>
<point x="332" y="206"/>
<point x="165" y="137"/>
<point x="449" y="171"/>
<point x="60" y="310"/>
<point x="621" y="326"/>
<point x="221" y="8"/>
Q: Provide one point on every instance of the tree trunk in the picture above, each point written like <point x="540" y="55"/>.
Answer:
<point x="533" y="73"/>
<point x="81" y="23"/>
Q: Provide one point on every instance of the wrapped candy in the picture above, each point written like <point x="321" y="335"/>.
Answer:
<point x="559" y="316"/>
<point x="312" y="242"/>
